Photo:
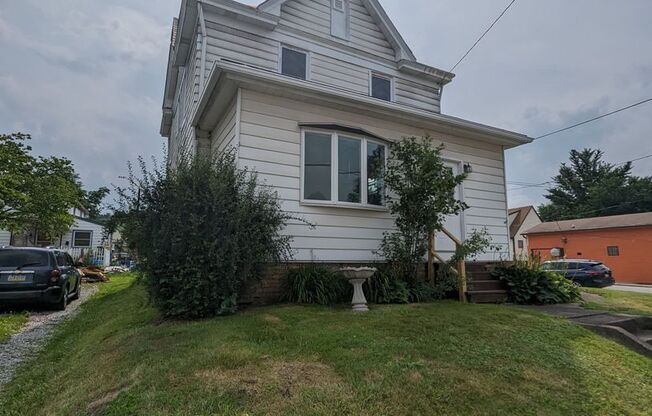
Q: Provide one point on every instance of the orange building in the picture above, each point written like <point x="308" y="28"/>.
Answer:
<point x="623" y="243"/>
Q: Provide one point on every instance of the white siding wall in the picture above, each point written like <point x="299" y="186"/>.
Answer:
<point x="270" y="143"/>
<point x="223" y="136"/>
<point x="182" y="138"/>
<point x="81" y="225"/>
<point x="305" y="25"/>
<point x="5" y="238"/>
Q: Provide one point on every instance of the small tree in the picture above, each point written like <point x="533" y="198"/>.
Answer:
<point x="422" y="194"/>
<point x="201" y="232"/>
<point x="35" y="193"/>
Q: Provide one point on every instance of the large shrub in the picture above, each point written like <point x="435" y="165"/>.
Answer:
<point x="529" y="284"/>
<point x="313" y="284"/>
<point x="201" y="231"/>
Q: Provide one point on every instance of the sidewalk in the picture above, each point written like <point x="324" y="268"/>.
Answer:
<point x="625" y="287"/>
<point x="634" y="332"/>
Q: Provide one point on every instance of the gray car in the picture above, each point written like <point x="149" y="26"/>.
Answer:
<point x="36" y="275"/>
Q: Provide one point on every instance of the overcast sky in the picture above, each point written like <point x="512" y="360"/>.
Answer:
<point x="86" y="77"/>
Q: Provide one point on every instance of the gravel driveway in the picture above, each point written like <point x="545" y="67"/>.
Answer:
<point x="34" y="335"/>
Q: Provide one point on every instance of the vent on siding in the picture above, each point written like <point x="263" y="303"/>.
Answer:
<point x="175" y="30"/>
<point x="338" y="5"/>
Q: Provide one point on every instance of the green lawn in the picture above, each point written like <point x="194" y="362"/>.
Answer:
<point x="11" y="323"/>
<point x="621" y="301"/>
<point x="119" y="358"/>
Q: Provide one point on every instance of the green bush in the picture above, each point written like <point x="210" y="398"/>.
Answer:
<point x="316" y="285"/>
<point x="386" y="288"/>
<point x="530" y="285"/>
<point x="201" y="231"/>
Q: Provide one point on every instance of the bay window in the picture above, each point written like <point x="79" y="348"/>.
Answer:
<point x="343" y="169"/>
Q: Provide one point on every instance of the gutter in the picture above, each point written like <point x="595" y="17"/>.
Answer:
<point x="242" y="74"/>
<point x="204" y="41"/>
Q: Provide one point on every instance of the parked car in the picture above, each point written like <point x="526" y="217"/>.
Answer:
<point x="36" y="275"/>
<point x="587" y="273"/>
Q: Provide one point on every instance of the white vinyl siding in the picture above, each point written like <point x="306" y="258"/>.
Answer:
<point x="223" y="137"/>
<point x="271" y="145"/>
<point x="96" y="230"/>
<point x="182" y="138"/>
<point x="332" y="61"/>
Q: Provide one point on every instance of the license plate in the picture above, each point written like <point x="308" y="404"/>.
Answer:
<point x="17" y="278"/>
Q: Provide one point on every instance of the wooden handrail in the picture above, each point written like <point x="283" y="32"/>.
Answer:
<point x="460" y="272"/>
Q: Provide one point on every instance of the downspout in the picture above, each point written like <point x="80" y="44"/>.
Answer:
<point x="202" y="65"/>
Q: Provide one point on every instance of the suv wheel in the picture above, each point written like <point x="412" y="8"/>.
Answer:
<point x="77" y="292"/>
<point x="61" y="304"/>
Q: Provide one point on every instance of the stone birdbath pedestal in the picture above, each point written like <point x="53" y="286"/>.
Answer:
<point x="357" y="277"/>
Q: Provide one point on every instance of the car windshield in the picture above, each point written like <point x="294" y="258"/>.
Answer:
<point x="23" y="258"/>
<point x="554" y="266"/>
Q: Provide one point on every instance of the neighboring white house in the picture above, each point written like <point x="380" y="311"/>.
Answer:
<point x="521" y="220"/>
<point x="310" y="93"/>
<point x="84" y="236"/>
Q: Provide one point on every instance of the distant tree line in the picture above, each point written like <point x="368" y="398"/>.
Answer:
<point x="589" y="187"/>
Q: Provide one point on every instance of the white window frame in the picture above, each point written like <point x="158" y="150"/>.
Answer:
<point x="335" y="202"/>
<point x="390" y="78"/>
<point x="74" y="238"/>
<point x="293" y="48"/>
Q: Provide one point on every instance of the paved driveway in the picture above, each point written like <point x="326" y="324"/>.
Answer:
<point x="632" y="288"/>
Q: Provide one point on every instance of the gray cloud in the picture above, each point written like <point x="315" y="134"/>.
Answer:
<point x="87" y="80"/>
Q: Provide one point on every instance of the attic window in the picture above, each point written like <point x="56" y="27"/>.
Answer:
<point x="381" y="87"/>
<point x="294" y="63"/>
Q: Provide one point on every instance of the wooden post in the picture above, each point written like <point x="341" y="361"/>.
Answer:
<point x="462" y="279"/>
<point x="431" y="260"/>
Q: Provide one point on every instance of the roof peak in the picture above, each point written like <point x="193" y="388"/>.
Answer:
<point x="376" y="10"/>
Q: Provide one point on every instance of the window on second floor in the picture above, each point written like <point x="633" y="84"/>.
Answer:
<point x="82" y="239"/>
<point x="294" y="63"/>
<point x="337" y="166"/>
<point x="381" y="87"/>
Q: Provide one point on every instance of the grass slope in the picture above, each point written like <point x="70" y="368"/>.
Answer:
<point x="10" y="324"/>
<point x="621" y="301"/>
<point x="119" y="358"/>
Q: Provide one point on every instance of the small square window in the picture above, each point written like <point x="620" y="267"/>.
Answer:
<point x="82" y="239"/>
<point x="613" y="251"/>
<point x="294" y="63"/>
<point x="381" y="87"/>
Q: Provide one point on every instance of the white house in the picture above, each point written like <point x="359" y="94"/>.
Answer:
<point x="84" y="236"/>
<point x="521" y="220"/>
<point x="310" y="93"/>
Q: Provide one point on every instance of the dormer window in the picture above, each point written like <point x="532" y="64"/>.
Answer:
<point x="381" y="87"/>
<point x="294" y="63"/>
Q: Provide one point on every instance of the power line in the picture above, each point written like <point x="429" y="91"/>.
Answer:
<point x="594" y="119"/>
<point x="483" y="35"/>
<point x="633" y="160"/>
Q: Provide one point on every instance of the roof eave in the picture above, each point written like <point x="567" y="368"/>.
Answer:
<point x="242" y="74"/>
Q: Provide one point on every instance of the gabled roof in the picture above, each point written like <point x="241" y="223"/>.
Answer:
<point x="519" y="219"/>
<point x="599" y="223"/>
<point x="376" y="11"/>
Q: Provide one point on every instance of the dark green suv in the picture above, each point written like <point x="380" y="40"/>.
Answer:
<point x="36" y="275"/>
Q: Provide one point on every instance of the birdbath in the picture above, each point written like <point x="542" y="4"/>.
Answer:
<point x="357" y="277"/>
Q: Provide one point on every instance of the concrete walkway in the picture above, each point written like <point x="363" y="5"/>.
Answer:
<point x="632" y="288"/>
<point x="634" y="332"/>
